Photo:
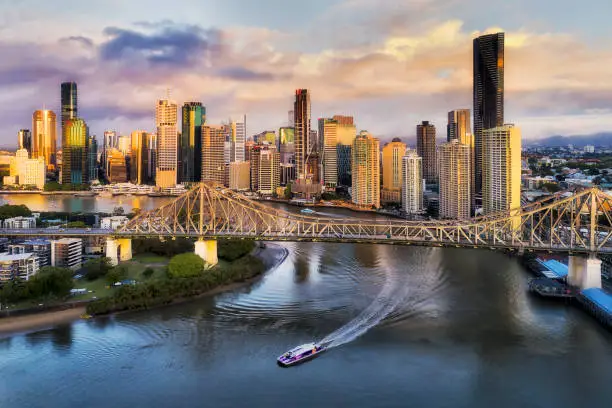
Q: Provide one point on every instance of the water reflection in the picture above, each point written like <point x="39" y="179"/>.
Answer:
<point x="70" y="203"/>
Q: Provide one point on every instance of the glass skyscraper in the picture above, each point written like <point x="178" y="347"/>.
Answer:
<point x="92" y="158"/>
<point x="194" y="116"/>
<point x="69" y="102"/>
<point x="488" y="93"/>
<point x="74" y="152"/>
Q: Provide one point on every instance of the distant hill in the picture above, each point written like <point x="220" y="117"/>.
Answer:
<point x="596" y="139"/>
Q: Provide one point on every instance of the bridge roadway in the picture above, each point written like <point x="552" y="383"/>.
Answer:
<point x="438" y="241"/>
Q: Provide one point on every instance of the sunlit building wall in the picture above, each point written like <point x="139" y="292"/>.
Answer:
<point x="44" y="140"/>
<point x="92" y="158"/>
<point x="194" y="116"/>
<point x="392" y="154"/>
<point x="74" y="152"/>
<point x="240" y="176"/>
<point x="166" y="114"/>
<point x="328" y="131"/>
<point x="139" y="163"/>
<point x="286" y="137"/>
<point x="24" y="140"/>
<point x="454" y="161"/>
<point x="366" y="170"/>
<point x="213" y="164"/>
<point x="426" y="149"/>
<point x="116" y="166"/>
<point x="459" y="124"/>
<point x="301" y="112"/>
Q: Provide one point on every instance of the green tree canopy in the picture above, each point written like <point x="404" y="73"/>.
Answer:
<point x="96" y="268"/>
<point x="51" y="281"/>
<point x="187" y="265"/>
<point x="10" y="211"/>
<point x="117" y="274"/>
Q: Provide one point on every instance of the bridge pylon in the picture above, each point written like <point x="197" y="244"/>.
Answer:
<point x="584" y="271"/>
<point x="207" y="250"/>
<point x="118" y="250"/>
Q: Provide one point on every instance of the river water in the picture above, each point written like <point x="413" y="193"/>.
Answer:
<point x="411" y="327"/>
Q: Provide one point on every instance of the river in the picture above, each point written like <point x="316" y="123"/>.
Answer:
<point x="422" y="327"/>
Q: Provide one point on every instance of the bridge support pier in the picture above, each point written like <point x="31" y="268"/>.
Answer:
<point x="118" y="250"/>
<point x="207" y="250"/>
<point x="584" y="271"/>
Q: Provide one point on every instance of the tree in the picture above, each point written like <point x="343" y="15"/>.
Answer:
<point x="187" y="265"/>
<point x="96" y="268"/>
<point x="231" y="250"/>
<point x="10" y="211"/>
<point x="147" y="273"/>
<point x="76" y="224"/>
<point x="551" y="187"/>
<point x="51" y="281"/>
<point x="118" y="211"/>
<point x="117" y="274"/>
<point x="288" y="191"/>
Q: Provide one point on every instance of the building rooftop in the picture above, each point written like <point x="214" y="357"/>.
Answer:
<point x="37" y="242"/>
<point x="68" y="240"/>
<point x="5" y="257"/>
<point x="599" y="297"/>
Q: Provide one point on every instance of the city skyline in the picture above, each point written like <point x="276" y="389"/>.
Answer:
<point x="411" y="70"/>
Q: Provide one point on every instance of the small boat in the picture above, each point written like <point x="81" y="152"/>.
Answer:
<point x="86" y="316"/>
<point x="300" y="354"/>
<point x="307" y="211"/>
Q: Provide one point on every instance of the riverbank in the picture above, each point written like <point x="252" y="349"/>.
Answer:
<point x="272" y="256"/>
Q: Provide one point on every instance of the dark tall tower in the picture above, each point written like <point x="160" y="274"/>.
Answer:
<point x="488" y="93"/>
<point x="194" y="116"/>
<point x="301" y="112"/>
<point x="426" y="148"/>
<point x="24" y="139"/>
<point x="69" y="102"/>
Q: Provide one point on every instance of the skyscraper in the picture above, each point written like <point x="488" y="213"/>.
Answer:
<point x="286" y="137"/>
<point x="458" y="125"/>
<point x="69" y="103"/>
<point x="194" y="116"/>
<point x="24" y="139"/>
<point x="301" y="112"/>
<point x="74" y="152"/>
<point x="265" y="170"/>
<point x="44" y="140"/>
<point x="92" y="158"/>
<point x="213" y="165"/>
<point x="237" y="143"/>
<point x="346" y="135"/>
<point x="139" y="163"/>
<point x="328" y="132"/>
<point x="152" y="167"/>
<point x="392" y="154"/>
<point x="412" y="182"/>
<point x="166" y="113"/>
<point x="455" y="180"/>
<point x="426" y="148"/>
<point x="488" y="93"/>
<point x="501" y="170"/>
<point x="366" y="170"/>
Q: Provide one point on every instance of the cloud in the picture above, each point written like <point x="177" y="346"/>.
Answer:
<point x="243" y="74"/>
<point x="79" y="39"/>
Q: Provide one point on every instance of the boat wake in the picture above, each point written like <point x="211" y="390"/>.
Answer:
<point x="394" y="292"/>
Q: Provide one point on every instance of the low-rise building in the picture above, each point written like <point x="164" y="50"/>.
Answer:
<point x="113" y="223"/>
<point x="22" y="266"/>
<point x="67" y="253"/>
<point x="19" y="223"/>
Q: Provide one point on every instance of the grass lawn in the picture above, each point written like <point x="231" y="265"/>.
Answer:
<point x="150" y="259"/>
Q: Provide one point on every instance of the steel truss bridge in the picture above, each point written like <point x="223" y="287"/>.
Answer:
<point x="578" y="222"/>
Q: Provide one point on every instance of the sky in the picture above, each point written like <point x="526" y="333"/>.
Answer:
<point x="389" y="63"/>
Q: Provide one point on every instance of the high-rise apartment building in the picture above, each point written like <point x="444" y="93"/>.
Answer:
<point x="24" y="140"/>
<point x="20" y="266"/>
<point x="74" y="152"/>
<point x="139" y="163"/>
<point x="166" y="114"/>
<point x="459" y="125"/>
<point x="92" y="158"/>
<point x="301" y="109"/>
<point x="488" y="93"/>
<point x="124" y="145"/>
<point x="67" y="253"/>
<point x="426" y="149"/>
<point x="237" y="141"/>
<point x="412" y="182"/>
<point x="213" y="165"/>
<point x="501" y="170"/>
<point x="27" y="172"/>
<point x="454" y="161"/>
<point x="328" y="132"/>
<point x="194" y="116"/>
<point x="366" y="170"/>
<point x="152" y="168"/>
<point x="44" y="139"/>
<point x="267" y="170"/>
<point x="392" y="154"/>
<point x="346" y="135"/>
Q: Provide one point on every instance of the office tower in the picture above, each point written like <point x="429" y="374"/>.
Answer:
<point x="24" y="140"/>
<point x="124" y="145"/>
<point x="92" y="158"/>
<point x="213" y="165"/>
<point x="412" y="182"/>
<point x="44" y="138"/>
<point x="366" y="170"/>
<point x="152" y="167"/>
<point x="286" y="136"/>
<point x="488" y="93"/>
<point x="302" y="130"/>
<point x="25" y="171"/>
<point x="69" y="103"/>
<point x="328" y="131"/>
<point x="238" y="140"/>
<point x="346" y="135"/>
<point x="116" y="166"/>
<point x="458" y="125"/>
<point x="194" y="116"/>
<point x="426" y="148"/>
<point x="67" y="253"/>
<point x="267" y="171"/>
<point x="501" y="170"/>
<point x="392" y="154"/>
<point x="74" y="152"/>
<point x="454" y="161"/>
<point x="240" y="176"/>
<point x="167" y="143"/>
<point x="110" y="139"/>
<point x="139" y="163"/>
